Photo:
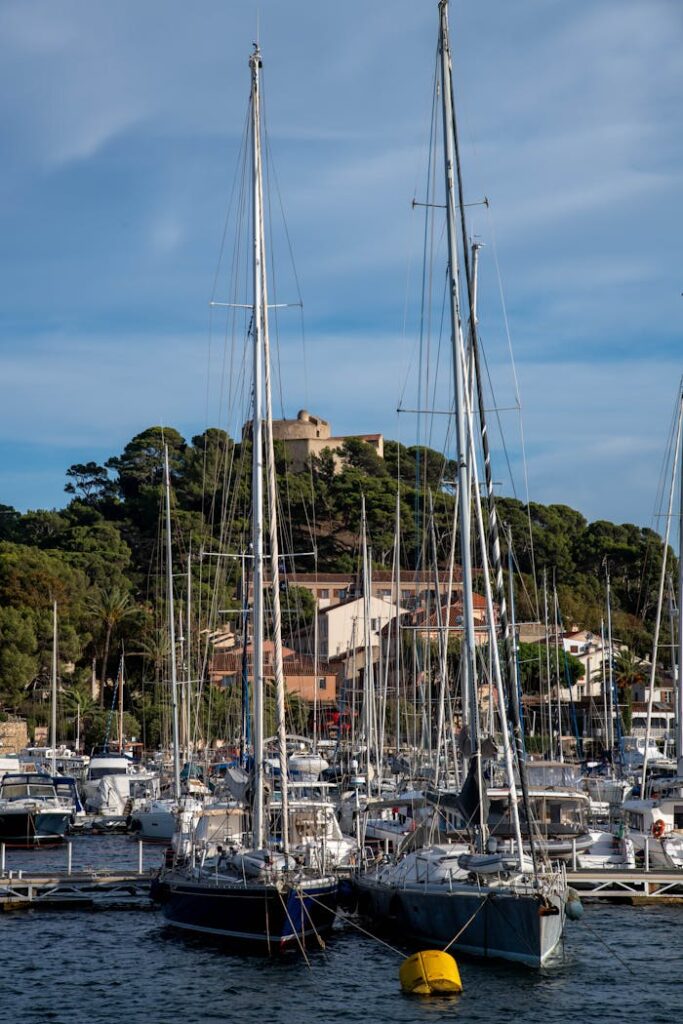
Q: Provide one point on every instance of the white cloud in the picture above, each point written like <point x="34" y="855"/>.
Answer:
<point x="122" y="123"/>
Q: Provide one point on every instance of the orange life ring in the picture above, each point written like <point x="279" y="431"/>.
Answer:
<point x="658" y="827"/>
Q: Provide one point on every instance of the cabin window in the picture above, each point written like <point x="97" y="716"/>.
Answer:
<point x="100" y="773"/>
<point x="14" y="791"/>
<point x="41" y="791"/>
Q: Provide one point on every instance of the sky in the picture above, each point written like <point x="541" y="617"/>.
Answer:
<point x="121" y="126"/>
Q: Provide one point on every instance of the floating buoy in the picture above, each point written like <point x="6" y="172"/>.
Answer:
<point x="430" y="972"/>
<point x="573" y="907"/>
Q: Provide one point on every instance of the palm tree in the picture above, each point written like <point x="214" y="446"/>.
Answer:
<point x="628" y="671"/>
<point x="111" y="607"/>
<point x="78" y="702"/>
<point x="155" y="649"/>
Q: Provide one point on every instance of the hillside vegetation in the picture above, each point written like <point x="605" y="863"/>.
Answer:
<point x="101" y="558"/>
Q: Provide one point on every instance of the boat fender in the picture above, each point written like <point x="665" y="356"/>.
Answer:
<point x="658" y="827"/>
<point x="573" y="907"/>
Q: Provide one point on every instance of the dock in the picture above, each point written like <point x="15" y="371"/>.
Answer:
<point x="85" y="887"/>
<point x="89" y="890"/>
<point x="633" y="885"/>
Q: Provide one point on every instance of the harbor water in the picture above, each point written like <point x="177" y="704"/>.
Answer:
<point x="619" y="964"/>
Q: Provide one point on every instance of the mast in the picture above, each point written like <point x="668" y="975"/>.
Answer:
<point x="171" y="626"/>
<point x="397" y="620"/>
<point x="368" y="674"/>
<point x="53" y="718"/>
<point x="258" y="825"/>
<point x="121" y="706"/>
<point x="660" y="598"/>
<point x="558" y="676"/>
<point x="509" y="639"/>
<point x="495" y="659"/>
<point x="606" y="702"/>
<point x="442" y="633"/>
<point x="188" y="655"/>
<point x="469" y="702"/>
<point x="275" y="565"/>
<point x="551" y="731"/>
<point x="182" y="684"/>
<point x="679" y="660"/>
<point x="610" y="661"/>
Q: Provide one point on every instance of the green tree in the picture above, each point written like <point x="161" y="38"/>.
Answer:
<point x="18" y="654"/>
<point x="111" y="607"/>
<point x="298" y="609"/>
<point x="89" y="482"/>
<point x="565" y="670"/>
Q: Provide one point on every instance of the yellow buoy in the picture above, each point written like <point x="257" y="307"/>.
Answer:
<point x="430" y="972"/>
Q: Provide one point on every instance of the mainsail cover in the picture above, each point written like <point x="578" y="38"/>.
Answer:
<point x="471" y="802"/>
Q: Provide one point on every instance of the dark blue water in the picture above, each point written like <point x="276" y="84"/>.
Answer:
<point x="125" y="967"/>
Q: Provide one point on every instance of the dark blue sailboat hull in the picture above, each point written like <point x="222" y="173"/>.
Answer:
<point x="265" y="917"/>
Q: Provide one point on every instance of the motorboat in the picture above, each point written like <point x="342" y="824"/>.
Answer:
<point x="31" y="812"/>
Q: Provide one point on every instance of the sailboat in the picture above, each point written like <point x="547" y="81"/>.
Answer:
<point x="488" y="902"/>
<point x="156" y="818"/>
<point x="255" y="892"/>
<point x="655" y="817"/>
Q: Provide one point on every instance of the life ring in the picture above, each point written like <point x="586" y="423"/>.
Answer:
<point x="658" y="827"/>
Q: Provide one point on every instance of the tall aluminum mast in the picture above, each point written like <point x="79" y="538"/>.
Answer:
<point x="259" y="833"/>
<point x="469" y="697"/>
<point x="679" y="660"/>
<point x="660" y="600"/>
<point x="171" y="626"/>
<point x="53" y="712"/>
<point x="275" y="566"/>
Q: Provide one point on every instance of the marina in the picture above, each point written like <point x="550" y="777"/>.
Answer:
<point x="157" y="972"/>
<point x="344" y="725"/>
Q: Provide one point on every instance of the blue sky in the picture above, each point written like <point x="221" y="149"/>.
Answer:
<point x="120" y="127"/>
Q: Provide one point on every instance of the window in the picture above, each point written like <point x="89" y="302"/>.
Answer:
<point x="99" y="773"/>
<point x="322" y="684"/>
<point x="341" y="594"/>
<point x="324" y="593"/>
<point x="406" y="595"/>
